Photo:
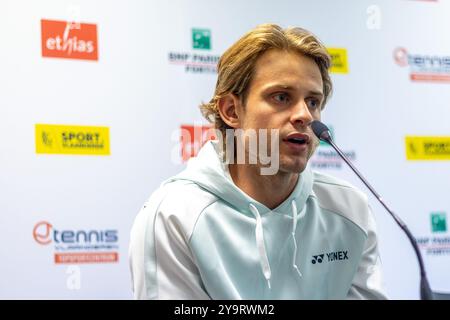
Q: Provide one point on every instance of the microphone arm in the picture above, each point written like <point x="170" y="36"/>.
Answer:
<point x="322" y="132"/>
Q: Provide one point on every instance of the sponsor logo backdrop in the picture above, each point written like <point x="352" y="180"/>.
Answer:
<point x="99" y="104"/>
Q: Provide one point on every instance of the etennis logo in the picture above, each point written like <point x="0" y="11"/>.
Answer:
<point x="424" y="67"/>
<point x="78" y="246"/>
<point x="42" y="233"/>
<point x="339" y="62"/>
<point x="69" y="40"/>
<point x="81" y="140"/>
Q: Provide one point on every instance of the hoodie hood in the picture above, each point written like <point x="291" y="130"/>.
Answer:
<point x="209" y="172"/>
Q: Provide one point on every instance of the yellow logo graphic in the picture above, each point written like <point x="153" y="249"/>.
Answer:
<point x="60" y="139"/>
<point x="339" y="63"/>
<point x="427" y="148"/>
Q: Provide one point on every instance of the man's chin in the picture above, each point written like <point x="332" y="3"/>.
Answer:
<point x="296" y="167"/>
<point x="294" y="163"/>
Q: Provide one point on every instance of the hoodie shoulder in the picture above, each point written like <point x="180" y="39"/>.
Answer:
<point x="342" y="198"/>
<point x="184" y="201"/>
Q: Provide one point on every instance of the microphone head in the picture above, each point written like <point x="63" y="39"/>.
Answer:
<point x="321" y="131"/>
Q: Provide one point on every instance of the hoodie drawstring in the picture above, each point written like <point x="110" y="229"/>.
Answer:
<point x="259" y="233"/>
<point x="264" y="261"/>
<point x="294" y="226"/>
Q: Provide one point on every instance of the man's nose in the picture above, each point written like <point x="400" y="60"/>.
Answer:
<point x="301" y="114"/>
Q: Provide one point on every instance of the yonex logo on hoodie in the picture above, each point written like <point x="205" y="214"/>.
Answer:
<point x="317" y="259"/>
<point x="330" y="257"/>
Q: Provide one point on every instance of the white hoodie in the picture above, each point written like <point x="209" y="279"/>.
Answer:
<point x="200" y="237"/>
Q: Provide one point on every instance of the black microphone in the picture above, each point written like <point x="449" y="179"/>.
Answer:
<point x="323" y="133"/>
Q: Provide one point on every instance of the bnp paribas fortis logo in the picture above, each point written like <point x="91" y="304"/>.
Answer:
<point x="201" y="39"/>
<point x="76" y="140"/>
<point x="438" y="222"/>
<point x="199" y="59"/>
<point x="326" y="157"/>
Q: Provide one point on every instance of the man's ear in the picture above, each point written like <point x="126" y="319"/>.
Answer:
<point x="229" y="110"/>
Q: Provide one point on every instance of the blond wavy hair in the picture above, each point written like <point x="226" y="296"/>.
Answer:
<point x="236" y="66"/>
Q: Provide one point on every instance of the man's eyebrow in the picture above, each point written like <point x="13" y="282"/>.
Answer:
<point x="316" y="93"/>
<point x="291" y="88"/>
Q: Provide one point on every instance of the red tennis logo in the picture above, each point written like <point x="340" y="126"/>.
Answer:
<point x="401" y="56"/>
<point x="42" y="232"/>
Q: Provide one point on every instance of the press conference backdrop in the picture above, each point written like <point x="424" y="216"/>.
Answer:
<point x="95" y="95"/>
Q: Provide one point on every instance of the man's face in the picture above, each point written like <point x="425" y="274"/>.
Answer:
<point x="286" y="93"/>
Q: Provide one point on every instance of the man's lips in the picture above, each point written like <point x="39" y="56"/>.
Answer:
<point x="298" y="138"/>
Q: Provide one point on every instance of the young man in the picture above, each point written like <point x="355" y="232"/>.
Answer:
<point x="223" y="230"/>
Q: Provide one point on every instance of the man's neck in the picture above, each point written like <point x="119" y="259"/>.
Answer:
<point x="270" y="190"/>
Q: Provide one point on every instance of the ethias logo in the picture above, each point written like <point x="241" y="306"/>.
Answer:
<point x="69" y="40"/>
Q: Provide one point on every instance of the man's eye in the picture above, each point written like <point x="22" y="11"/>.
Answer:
<point x="281" y="97"/>
<point x="313" y="103"/>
